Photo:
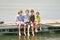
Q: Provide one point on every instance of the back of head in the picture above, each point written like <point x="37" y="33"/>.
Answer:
<point x="27" y="11"/>
<point x="37" y="12"/>
<point x="32" y="10"/>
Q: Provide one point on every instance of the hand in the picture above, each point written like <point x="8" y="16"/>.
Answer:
<point x="31" y="22"/>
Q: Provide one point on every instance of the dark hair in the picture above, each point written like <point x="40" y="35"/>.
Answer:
<point x="18" y="12"/>
<point x="27" y="10"/>
<point x="37" y="12"/>
<point x="32" y="10"/>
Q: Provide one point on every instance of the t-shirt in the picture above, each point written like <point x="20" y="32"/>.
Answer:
<point x="32" y="18"/>
<point x="19" y="18"/>
<point x="37" y="18"/>
<point x="26" y="18"/>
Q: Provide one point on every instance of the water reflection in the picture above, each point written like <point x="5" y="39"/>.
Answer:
<point x="28" y="37"/>
<point x="19" y="37"/>
<point x="31" y="37"/>
<point x="40" y="36"/>
<point x="45" y="36"/>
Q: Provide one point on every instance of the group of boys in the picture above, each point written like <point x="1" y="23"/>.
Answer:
<point x="29" y="20"/>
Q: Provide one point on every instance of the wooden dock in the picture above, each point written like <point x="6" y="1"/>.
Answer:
<point x="47" y="25"/>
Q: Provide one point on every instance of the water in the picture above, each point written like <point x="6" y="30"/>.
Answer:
<point x="49" y="9"/>
<point x="38" y="36"/>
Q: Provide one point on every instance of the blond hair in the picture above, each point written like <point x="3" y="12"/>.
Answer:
<point x="20" y="11"/>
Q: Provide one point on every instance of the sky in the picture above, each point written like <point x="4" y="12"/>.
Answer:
<point x="49" y="9"/>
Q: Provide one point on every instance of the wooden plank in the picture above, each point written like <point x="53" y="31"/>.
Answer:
<point x="53" y="24"/>
<point x="8" y="27"/>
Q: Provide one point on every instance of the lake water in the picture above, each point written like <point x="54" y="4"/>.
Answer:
<point x="49" y="9"/>
<point x="38" y="36"/>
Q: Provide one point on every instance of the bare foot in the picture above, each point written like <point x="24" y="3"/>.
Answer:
<point x="19" y="34"/>
<point x="36" y="30"/>
<point x="28" y="34"/>
<point x="25" y="34"/>
<point x="40" y="29"/>
<point x="33" y="35"/>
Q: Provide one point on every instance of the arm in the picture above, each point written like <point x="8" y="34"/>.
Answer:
<point x="39" y="18"/>
<point x="17" y="18"/>
<point x="29" y="19"/>
<point x="34" y="17"/>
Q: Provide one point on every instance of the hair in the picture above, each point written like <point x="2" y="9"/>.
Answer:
<point x="20" y="11"/>
<point x="37" y="12"/>
<point x="32" y="10"/>
<point x="27" y="10"/>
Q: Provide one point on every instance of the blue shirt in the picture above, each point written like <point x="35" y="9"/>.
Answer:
<point x="19" y="18"/>
<point x="26" y="18"/>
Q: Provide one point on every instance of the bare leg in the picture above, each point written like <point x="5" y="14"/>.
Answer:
<point x="25" y="30"/>
<point x="28" y="30"/>
<point x="36" y="27"/>
<point x="33" y="30"/>
<point x="19" y="29"/>
<point x="40" y="27"/>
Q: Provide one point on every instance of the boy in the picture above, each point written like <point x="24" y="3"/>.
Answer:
<point x="26" y="20"/>
<point x="37" y="20"/>
<point x="32" y="19"/>
<point x="20" y="22"/>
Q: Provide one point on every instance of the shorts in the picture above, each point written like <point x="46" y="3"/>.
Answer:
<point x="35" y="23"/>
<point x="20" y="22"/>
<point x="27" y="23"/>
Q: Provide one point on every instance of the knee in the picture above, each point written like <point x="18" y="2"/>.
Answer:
<point x="32" y="28"/>
<point x="28" y="26"/>
<point x="31" y="24"/>
<point x="36" y="24"/>
<point x="19" y="24"/>
<point x="24" y="25"/>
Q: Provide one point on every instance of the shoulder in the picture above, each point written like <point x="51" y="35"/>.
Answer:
<point x="17" y="15"/>
<point x="33" y="15"/>
<point x="24" y="15"/>
<point x="29" y="15"/>
<point x="39" y="16"/>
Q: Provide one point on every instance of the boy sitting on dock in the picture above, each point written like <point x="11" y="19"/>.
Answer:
<point x="37" y="21"/>
<point x="26" y="19"/>
<point x="32" y="19"/>
<point x="20" y="22"/>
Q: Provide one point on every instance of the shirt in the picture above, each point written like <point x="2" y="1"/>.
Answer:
<point x="19" y="18"/>
<point x="37" y="18"/>
<point x="26" y="18"/>
<point x="32" y="18"/>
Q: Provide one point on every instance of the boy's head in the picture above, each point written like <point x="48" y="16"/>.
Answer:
<point x="20" y="12"/>
<point x="27" y="11"/>
<point x="37" y="13"/>
<point x="32" y="11"/>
